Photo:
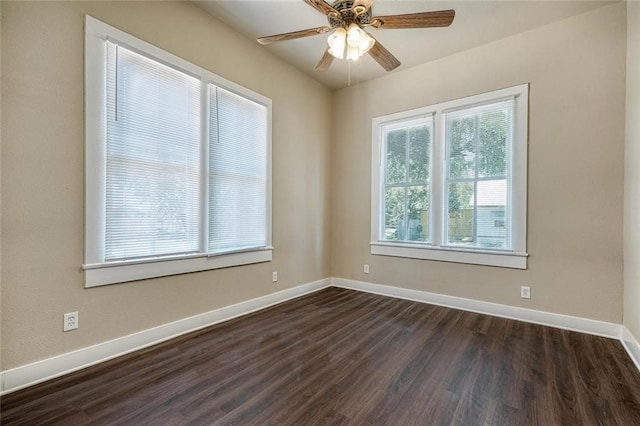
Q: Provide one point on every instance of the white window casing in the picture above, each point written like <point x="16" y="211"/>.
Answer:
<point x="507" y="246"/>
<point x="141" y="157"/>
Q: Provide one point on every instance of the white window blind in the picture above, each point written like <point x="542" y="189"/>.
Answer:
<point x="237" y="172"/>
<point x="177" y="164"/>
<point x="479" y="141"/>
<point x="152" y="158"/>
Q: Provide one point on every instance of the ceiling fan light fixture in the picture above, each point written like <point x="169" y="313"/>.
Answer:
<point x="351" y="43"/>
<point x="366" y="44"/>
<point x="354" y="34"/>
<point x="357" y="37"/>
<point x="337" y="42"/>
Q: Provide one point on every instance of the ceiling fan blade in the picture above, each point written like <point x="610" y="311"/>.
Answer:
<point x="325" y="62"/>
<point x="361" y="6"/>
<point x="441" y="18"/>
<point x="383" y="57"/>
<point x="293" y="35"/>
<point x="321" y="6"/>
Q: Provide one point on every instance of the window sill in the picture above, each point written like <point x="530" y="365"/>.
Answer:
<point x="447" y="254"/>
<point x="112" y="273"/>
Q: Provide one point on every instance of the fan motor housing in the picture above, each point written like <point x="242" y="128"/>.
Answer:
<point x="346" y="16"/>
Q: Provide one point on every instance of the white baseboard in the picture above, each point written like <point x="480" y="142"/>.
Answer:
<point x="631" y="345"/>
<point x="40" y="371"/>
<point x="583" y="325"/>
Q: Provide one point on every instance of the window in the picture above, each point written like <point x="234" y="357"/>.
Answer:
<point x="406" y="180"/>
<point x="449" y="181"/>
<point x="177" y="164"/>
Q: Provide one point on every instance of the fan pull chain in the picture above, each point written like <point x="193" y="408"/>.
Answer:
<point x="349" y="73"/>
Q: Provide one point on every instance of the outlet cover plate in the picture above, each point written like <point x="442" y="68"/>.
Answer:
<point x="70" y="321"/>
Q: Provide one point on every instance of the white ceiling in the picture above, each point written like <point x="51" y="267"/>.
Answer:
<point x="477" y="22"/>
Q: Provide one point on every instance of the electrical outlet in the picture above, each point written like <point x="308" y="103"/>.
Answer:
<point x="70" y="321"/>
<point x="274" y="277"/>
<point x="525" y="292"/>
<point x="366" y="268"/>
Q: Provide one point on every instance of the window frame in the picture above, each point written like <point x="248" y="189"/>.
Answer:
<point x="424" y="120"/>
<point x="516" y="257"/>
<point x="96" y="270"/>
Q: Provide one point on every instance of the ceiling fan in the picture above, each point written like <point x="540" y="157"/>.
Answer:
<point x="348" y="40"/>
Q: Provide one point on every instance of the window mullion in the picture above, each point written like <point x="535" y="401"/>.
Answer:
<point x="204" y="164"/>
<point x="476" y="137"/>
<point x="438" y="179"/>
<point x="509" y="178"/>
<point x="380" y="185"/>
<point x="405" y="215"/>
<point x="407" y="159"/>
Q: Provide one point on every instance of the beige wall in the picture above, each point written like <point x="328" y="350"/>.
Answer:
<point x="577" y="101"/>
<point x="632" y="176"/>
<point x="575" y="68"/>
<point x="42" y="173"/>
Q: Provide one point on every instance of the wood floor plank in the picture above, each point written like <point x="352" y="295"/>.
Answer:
<point x="343" y="357"/>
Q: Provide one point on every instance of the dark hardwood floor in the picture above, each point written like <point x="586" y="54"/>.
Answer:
<point x="343" y="357"/>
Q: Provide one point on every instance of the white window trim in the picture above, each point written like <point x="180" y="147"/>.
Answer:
<point x="515" y="258"/>
<point x="108" y="273"/>
<point x="98" y="272"/>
